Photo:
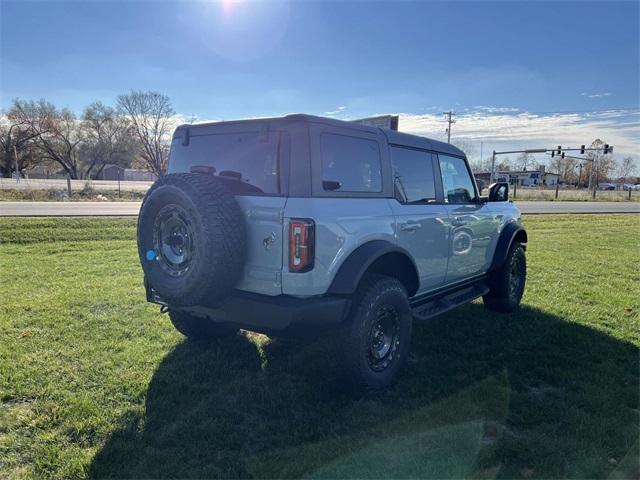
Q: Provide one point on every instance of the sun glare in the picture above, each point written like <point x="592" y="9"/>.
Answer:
<point x="240" y="30"/>
<point x="229" y="6"/>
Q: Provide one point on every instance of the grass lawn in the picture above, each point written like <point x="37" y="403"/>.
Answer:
<point x="95" y="382"/>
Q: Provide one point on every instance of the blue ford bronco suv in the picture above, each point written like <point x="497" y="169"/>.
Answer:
<point x="303" y="225"/>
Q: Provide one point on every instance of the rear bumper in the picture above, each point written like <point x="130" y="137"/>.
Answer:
<point x="282" y="314"/>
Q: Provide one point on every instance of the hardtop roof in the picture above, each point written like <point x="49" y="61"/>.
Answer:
<point x="393" y="137"/>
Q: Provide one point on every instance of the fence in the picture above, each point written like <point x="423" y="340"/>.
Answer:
<point x="32" y="189"/>
<point x="572" y="194"/>
<point x="43" y="189"/>
<point x="76" y="185"/>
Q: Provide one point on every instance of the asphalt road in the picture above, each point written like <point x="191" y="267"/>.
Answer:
<point x="79" y="209"/>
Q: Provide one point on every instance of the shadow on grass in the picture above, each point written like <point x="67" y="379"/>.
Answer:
<point x="483" y="395"/>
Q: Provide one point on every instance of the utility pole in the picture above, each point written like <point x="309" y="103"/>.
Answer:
<point x="450" y="121"/>
<point x="493" y="167"/>
<point x="594" y="164"/>
<point x="579" y="174"/>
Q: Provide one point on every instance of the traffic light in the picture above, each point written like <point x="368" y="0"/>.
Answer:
<point x="562" y="155"/>
<point x="607" y="149"/>
<point x="553" y="153"/>
<point x="559" y="149"/>
<point x="581" y="149"/>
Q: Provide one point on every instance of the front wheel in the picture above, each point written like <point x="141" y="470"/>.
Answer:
<point x="507" y="283"/>
<point x="199" y="328"/>
<point x="374" y="343"/>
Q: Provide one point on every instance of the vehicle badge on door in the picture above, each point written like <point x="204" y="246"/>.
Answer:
<point x="268" y="241"/>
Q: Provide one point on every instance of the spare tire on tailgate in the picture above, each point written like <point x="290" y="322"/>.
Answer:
<point x="191" y="239"/>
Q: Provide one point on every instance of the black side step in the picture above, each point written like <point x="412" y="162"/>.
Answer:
<point x="440" y="303"/>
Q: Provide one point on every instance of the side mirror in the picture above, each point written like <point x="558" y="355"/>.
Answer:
<point x="499" y="192"/>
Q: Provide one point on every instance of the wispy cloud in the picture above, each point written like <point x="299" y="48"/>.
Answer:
<point x="337" y="111"/>
<point x="507" y="131"/>
<point x="596" y="95"/>
<point x="484" y="108"/>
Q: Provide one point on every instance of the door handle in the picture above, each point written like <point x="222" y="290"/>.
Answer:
<point x="410" y="226"/>
<point x="458" y="222"/>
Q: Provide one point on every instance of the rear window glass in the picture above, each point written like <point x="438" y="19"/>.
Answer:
<point x="246" y="160"/>
<point x="350" y="164"/>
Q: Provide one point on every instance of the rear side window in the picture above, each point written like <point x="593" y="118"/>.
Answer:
<point x="247" y="160"/>
<point x="413" y="175"/>
<point x="350" y="164"/>
<point x="456" y="180"/>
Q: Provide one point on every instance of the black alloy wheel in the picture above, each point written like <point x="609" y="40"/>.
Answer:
<point x="373" y="343"/>
<point x="384" y="338"/>
<point x="507" y="283"/>
<point x="173" y="237"/>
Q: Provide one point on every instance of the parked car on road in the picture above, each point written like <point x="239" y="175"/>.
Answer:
<point x="305" y="225"/>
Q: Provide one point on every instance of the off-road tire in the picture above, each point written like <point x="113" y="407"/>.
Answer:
<point x="214" y="239"/>
<point x="199" y="328"/>
<point x="508" y="282"/>
<point x="376" y="295"/>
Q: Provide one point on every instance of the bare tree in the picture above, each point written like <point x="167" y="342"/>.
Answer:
<point x="503" y="164"/>
<point x="149" y="115"/>
<point x="467" y="147"/>
<point x="602" y="165"/>
<point x="524" y="161"/>
<point x="480" y="165"/>
<point x="16" y="141"/>
<point x="56" y="133"/>
<point x="564" y="167"/>
<point x="108" y="139"/>
<point x="626" y="168"/>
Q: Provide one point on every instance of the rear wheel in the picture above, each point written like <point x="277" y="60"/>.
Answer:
<point x="374" y="343"/>
<point x="199" y="328"/>
<point x="508" y="282"/>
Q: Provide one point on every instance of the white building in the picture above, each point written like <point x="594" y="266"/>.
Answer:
<point x="525" y="178"/>
<point x="529" y="178"/>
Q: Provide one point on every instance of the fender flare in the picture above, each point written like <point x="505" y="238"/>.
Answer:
<point x="511" y="231"/>
<point x="353" y="268"/>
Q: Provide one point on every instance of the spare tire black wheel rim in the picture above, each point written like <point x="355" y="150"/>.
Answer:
<point x="384" y="338"/>
<point x="173" y="236"/>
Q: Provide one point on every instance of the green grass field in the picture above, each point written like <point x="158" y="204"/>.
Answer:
<point x="94" y="382"/>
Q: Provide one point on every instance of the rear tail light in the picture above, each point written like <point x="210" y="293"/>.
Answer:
<point x="301" y="244"/>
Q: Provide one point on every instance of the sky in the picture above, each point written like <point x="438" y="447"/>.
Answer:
<point x="517" y="74"/>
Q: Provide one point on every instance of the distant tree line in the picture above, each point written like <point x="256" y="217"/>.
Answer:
<point x="607" y="168"/>
<point x="135" y="132"/>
